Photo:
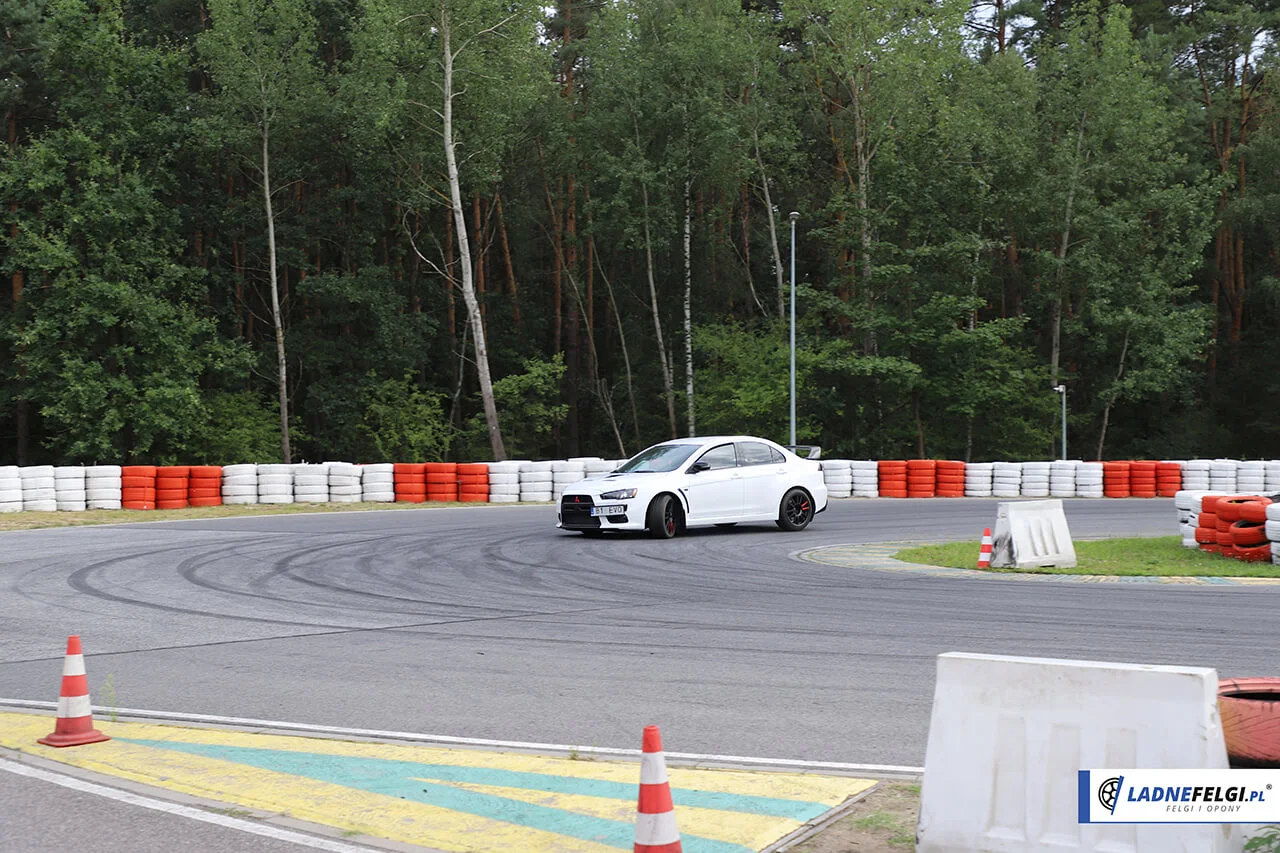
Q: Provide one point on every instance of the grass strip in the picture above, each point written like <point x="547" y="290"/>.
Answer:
<point x="1159" y="557"/>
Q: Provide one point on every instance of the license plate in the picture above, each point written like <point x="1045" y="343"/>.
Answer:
<point x="608" y="510"/>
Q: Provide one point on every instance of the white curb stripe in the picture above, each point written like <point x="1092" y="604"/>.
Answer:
<point x="73" y="665"/>
<point x="176" y="716"/>
<point x="657" y="828"/>
<point x="267" y="830"/>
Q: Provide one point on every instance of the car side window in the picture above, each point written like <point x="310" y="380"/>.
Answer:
<point x="776" y="457"/>
<point x="720" y="457"/>
<point x="754" y="453"/>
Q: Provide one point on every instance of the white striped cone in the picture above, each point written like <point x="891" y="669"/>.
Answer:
<point x="656" y="830"/>
<point x="984" y="553"/>
<point x="75" y="717"/>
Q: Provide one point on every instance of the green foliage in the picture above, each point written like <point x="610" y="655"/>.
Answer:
<point x="1266" y="841"/>
<point x="238" y="427"/>
<point x="528" y="410"/>
<point x="403" y="423"/>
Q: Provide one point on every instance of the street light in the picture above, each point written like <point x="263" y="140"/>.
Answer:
<point x="1062" y="389"/>
<point x="794" y="217"/>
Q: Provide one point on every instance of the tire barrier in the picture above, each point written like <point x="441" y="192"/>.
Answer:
<point x="837" y="474"/>
<point x="275" y="484"/>
<point x="1006" y="480"/>
<point x="240" y="484"/>
<point x="69" y="488"/>
<point x="504" y="482"/>
<point x="10" y="489"/>
<point x="441" y="481"/>
<point x="473" y="482"/>
<point x="204" y="485"/>
<point x="310" y="484"/>
<point x="138" y="487"/>
<point x="1244" y="527"/>
<point x="410" y="482"/>
<point x="45" y="488"/>
<point x="536" y="482"/>
<point x="378" y="483"/>
<point x="172" y="482"/>
<point x="893" y="478"/>
<point x="38" y="489"/>
<point x="102" y="487"/>
<point x="344" y="483"/>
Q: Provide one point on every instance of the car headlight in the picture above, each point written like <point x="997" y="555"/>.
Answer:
<point x="619" y="495"/>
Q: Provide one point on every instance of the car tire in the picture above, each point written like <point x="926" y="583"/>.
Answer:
<point x="796" y="510"/>
<point x="663" y="518"/>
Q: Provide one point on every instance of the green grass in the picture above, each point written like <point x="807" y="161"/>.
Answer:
<point x="33" y="520"/>
<point x="1164" y="557"/>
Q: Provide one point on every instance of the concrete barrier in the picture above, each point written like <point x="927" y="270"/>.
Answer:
<point x="1008" y="735"/>
<point x="1032" y="534"/>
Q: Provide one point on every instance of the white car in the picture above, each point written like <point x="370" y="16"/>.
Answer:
<point x="698" y="482"/>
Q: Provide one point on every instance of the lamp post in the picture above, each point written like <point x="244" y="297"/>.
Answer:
<point x="1062" y="390"/>
<point x="794" y="217"/>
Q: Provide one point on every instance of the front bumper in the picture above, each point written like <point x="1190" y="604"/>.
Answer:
<point x="574" y="513"/>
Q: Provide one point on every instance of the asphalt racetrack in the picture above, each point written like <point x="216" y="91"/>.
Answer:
<point x="491" y="623"/>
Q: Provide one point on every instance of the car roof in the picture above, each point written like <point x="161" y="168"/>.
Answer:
<point x="719" y="439"/>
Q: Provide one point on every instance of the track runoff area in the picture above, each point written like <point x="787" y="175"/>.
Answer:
<point x="445" y="792"/>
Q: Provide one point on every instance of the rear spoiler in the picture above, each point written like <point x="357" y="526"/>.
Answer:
<point x="805" y="451"/>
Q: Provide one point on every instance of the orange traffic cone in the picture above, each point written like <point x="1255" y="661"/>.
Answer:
<point x="75" y="717"/>
<point x="656" y="830"/>
<point x="984" y="553"/>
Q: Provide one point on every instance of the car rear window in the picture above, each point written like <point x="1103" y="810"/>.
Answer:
<point x="755" y="453"/>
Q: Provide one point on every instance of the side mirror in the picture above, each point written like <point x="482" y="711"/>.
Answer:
<point x="699" y="466"/>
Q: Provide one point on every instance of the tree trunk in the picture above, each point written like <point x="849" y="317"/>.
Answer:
<point x="281" y="363"/>
<point x="1106" y="410"/>
<point x="626" y="356"/>
<point x="464" y="248"/>
<point x="657" y="319"/>
<point x="1055" y="356"/>
<point x="773" y="231"/>
<point x="506" y="258"/>
<point x="688" y="313"/>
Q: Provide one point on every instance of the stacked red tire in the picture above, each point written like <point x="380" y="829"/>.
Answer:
<point x="922" y="478"/>
<point x="172" y="482"/>
<point x="410" y="481"/>
<point x="950" y="479"/>
<point x="892" y="478"/>
<point x="138" y="487"/>
<point x="1142" y="479"/>
<point x="442" y="481"/>
<point x="1168" y="479"/>
<point x="1115" y="479"/>
<point x="204" y="488"/>
<point x="473" y="482"/>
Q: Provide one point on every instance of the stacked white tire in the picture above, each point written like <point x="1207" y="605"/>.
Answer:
<point x="102" y="486"/>
<point x="1089" y="480"/>
<point x="504" y="482"/>
<point x="866" y="478"/>
<point x="310" y="484"/>
<point x="1273" y="525"/>
<point x="1222" y="476"/>
<point x="565" y="474"/>
<point x="68" y="488"/>
<point x="38" y="494"/>
<point x="275" y="484"/>
<point x="1195" y="475"/>
<point x="1251" y="478"/>
<point x="536" y="481"/>
<point x="1006" y="479"/>
<point x="1062" y="478"/>
<point x="979" y="479"/>
<point x="1273" y="478"/>
<point x="1188" y="503"/>
<point x="240" y="484"/>
<point x="10" y="489"/>
<point x="838" y="476"/>
<point x="344" y="483"/>
<point x="378" y="483"/>
<point x="597" y="467"/>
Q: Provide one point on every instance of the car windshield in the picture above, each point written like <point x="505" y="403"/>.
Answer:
<point x="663" y="457"/>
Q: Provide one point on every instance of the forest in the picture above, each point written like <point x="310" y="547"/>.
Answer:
<point x="410" y="230"/>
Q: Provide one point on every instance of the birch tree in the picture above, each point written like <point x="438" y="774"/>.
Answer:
<point x="261" y="55"/>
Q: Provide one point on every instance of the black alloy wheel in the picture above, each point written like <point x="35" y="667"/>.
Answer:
<point x="796" y="511"/>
